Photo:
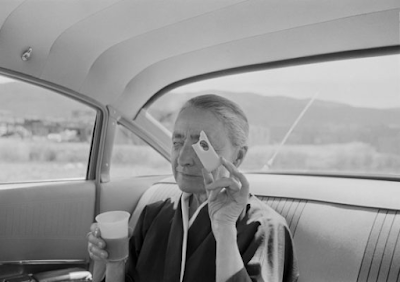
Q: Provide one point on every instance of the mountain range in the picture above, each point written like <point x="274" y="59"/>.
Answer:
<point x="266" y="111"/>
<point x="270" y="111"/>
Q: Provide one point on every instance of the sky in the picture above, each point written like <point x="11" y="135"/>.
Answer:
<point x="368" y="82"/>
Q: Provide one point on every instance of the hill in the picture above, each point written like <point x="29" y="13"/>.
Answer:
<point x="270" y="111"/>
<point x="265" y="111"/>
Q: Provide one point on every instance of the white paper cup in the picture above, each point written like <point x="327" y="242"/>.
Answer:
<point x="113" y="224"/>
<point x="114" y="230"/>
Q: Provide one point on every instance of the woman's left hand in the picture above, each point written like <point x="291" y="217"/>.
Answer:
<point x="227" y="196"/>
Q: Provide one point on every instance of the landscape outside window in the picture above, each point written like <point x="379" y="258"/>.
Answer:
<point x="352" y="124"/>
<point x="131" y="156"/>
<point x="43" y="135"/>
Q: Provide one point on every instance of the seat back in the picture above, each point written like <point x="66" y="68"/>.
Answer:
<point x="333" y="242"/>
<point x="162" y="190"/>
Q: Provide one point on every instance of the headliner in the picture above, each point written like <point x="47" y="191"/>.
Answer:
<point x="121" y="53"/>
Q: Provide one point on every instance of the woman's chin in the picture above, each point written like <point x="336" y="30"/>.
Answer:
<point x="194" y="185"/>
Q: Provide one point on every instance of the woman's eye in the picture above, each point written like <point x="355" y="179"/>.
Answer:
<point x="176" y="144"/>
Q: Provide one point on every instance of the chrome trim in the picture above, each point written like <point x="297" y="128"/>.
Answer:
<point x="43" y="262"/>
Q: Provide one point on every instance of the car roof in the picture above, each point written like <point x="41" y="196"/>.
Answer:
<point x="121" y="53"/>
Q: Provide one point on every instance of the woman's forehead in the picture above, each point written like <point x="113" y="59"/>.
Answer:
<point x="192" y="121"/>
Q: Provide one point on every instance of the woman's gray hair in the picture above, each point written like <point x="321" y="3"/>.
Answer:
<point x="228" y="112"/>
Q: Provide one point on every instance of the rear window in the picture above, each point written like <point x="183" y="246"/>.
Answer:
<point x="336" y="117"/>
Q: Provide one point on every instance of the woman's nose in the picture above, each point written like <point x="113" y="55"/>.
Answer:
<point x="186" y="155"/>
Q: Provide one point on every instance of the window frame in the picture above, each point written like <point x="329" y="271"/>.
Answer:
<point x="97" y="140"/>
<point x="115" y="119"/>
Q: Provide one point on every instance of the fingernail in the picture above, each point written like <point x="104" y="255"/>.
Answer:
<point x="96" y="232"/>
<point x="100" y="244"/>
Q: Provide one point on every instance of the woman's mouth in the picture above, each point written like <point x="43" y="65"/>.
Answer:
<point x="190" y="175"/>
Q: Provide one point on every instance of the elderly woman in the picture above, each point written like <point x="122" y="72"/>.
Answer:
<point x="216" y="231"/>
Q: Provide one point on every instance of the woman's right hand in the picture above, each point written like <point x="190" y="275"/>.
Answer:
<point x="96" y="245"/>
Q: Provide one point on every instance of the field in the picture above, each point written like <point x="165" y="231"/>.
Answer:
<point x="44" y="160"/>
<point x="348" y="158"/>
<point x="30" y="160"/>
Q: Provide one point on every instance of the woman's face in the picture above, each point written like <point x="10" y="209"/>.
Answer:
<point x="186" y="166"/>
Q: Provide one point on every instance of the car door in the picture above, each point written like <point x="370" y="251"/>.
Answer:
<point x="48" y="157"/>
<point x="64" y="159"/>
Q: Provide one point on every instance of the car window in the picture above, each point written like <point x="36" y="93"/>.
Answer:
<point x="131" y="156"/>
<point x="43" y="135"/>
<point x="339" y="116"/>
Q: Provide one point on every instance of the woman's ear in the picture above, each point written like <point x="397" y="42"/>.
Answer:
<point x="241" y="154"/>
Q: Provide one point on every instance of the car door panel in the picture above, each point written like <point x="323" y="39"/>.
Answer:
<point x="46" y="221"/>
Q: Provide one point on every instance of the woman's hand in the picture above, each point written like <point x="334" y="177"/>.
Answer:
<point x="115" y="270"/>
<point x="96" y="245"/>
<point x="227" y="199"/>
<point x="227" y="196"/>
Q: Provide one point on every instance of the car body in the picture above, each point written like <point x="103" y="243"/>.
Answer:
<point x="119" y="57"/>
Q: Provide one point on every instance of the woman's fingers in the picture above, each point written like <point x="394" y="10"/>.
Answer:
<point x="235" y="173"/>
<point x="224" y="182"/>
<point x="236" y="182"/>
<point x="213" y="188"/>
<point x="96" y="253"/>
<point x="208" y="180"/>
<point x="94" y="227"/>
<point x="97" y="241"/>
<point x="96" y="244"/>
<point x="208" y="177"/>
<point x="233" y="170"/>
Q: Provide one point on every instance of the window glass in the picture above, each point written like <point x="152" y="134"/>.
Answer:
<point x="133" y="157"/>
<point x="43" y="135"/>
<point x="333" y="117"/>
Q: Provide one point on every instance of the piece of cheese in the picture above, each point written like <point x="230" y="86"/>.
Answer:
<point x="206" y="153"/>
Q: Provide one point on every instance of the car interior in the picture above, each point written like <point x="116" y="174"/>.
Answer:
<point x="113" y="62"/>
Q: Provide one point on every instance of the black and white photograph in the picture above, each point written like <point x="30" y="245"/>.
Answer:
<point x="200" y="140"/>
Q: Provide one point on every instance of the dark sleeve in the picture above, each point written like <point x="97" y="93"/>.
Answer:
<point x="128" y="278"/>
<point x="290" y="270"/>
<point x="136" y="242"/>
<point x="274" y="259"/>
<point x="135" y="245"/>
